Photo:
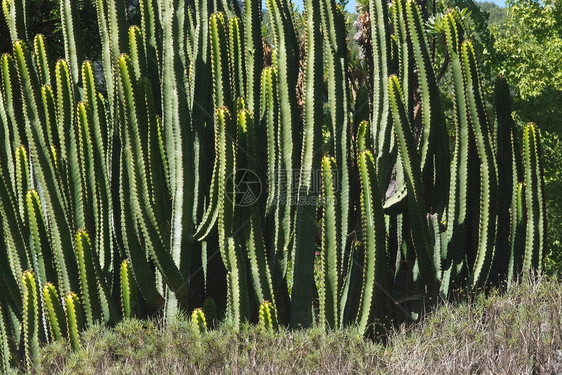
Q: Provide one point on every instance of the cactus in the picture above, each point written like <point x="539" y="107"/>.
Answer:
<point x="372" y="219"/>
<point x="55" y="312"/>
<point x="41" y="252"/>
<point x="410" y="161"/>
<point x="330" y="259"/>
<point x="286" y="55"/>
<point x="269" y="121"/>
<point x="4" y="347"/>
<point x="30" y="319"/>
<point x="333" y="24"/>
<point x="534" y="215"/>
<point x="74" y="322"/>
<point x="88" y="280"/>
<point x="381" y="129"/>
<point x="71" y="37"/>
<point x="198" y="321"/>
<point x="488" y="167"/>
<point x="132" y="189"/>
<point x="41" y="59"/>
<point x="128" y="290"/>
<point x="266" y="316"/>
<point x="14" y="13"/>
<point x="253" y="53"/>
<point x="305" y="215"/>
<point x="433" y="144"/>
<point x="457" y="205"/>
<point x="222" y="93"/>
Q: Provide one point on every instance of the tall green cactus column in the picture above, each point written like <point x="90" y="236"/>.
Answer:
<point x="73" y="53"/>
<point x="381" y="122"/>
<point x="416" y="202"/>
<point x="15" y="16"/>
<point x="289" y="124"/>
<point x="172" y="136"/>
<point x="456" y="232"/>
<point x="254" y="53"/>
<point x="306" y="210"/>
<point x="488" y="168"/>
<point x="508" y="169"/>
<point x="329" y="291"/>
<point x="231" y="249"/>
<point x="534" y="201"/>
<point x="30" y="319"/>
<point x="434" y="143"/>
<point x="339" y="98"/>
<point x="371" y="307"/>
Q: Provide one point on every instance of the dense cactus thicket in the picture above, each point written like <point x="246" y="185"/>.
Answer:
<point x="219" y="175"/>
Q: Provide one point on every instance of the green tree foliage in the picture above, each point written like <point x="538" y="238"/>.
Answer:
<point x="529" y="54"/>
<point x="44" y="16"/>
<point x="496" y="14"/>
<point x="529" y="46"/>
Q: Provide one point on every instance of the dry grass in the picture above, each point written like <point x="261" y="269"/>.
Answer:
<point x="515" y="333"/>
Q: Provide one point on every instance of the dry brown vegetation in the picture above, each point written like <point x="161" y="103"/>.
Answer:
<point x="517" y="332"/>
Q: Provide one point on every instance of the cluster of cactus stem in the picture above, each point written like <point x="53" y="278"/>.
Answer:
<point x="119" y="201"/>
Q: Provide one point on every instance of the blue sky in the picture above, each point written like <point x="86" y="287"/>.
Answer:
<point x="351" y="4"/>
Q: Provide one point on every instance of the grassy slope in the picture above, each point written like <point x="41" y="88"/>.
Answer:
<point x="519" y="332"/>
